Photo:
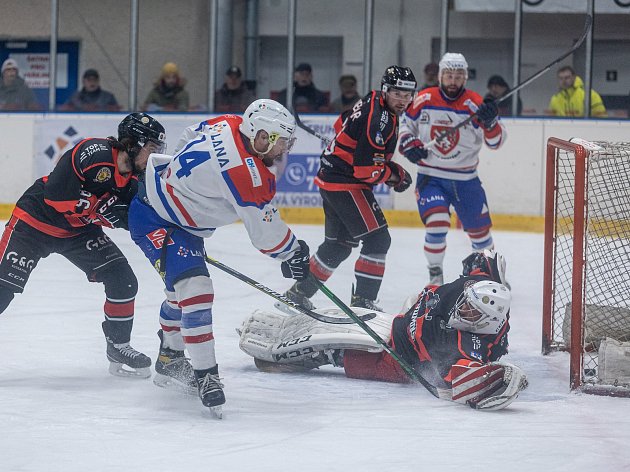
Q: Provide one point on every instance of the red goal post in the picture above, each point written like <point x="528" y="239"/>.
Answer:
<point x="586" y="285"/>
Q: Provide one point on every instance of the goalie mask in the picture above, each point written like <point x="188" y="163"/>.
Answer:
<point x="482" y="308"/>
<point x="273" y="118"/>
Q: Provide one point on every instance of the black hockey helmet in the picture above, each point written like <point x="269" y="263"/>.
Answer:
<point x="141" y="128"/>
<point x="400" y="78"/>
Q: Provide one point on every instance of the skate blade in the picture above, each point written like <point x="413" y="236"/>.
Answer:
<point x="122" y="370"/>
<point x="214" y="412"/>
<point x="168" y="383"/>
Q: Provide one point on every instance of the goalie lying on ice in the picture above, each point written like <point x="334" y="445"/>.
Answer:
<point x="452" y="335"/>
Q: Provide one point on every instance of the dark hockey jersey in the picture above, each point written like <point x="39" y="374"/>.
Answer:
<point x="424" y="339"/>
<point x="62" y="203"/>
<point x="365" y="141"/>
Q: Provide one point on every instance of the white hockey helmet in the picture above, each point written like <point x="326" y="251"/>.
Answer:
<point x="481" y="308"/>
<point x="270" y="116"/>
<point x="452" y="61"/>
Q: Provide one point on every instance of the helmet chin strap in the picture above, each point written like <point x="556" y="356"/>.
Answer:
<point x="261" y="153"/>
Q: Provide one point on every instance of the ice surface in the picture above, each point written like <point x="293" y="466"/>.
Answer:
<point x="60" y="410"/>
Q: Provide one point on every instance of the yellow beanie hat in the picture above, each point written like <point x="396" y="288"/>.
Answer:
<point x="169" y="68"/>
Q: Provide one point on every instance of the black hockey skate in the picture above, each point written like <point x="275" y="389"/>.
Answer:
<point x="358" y="301"/>
<point x="296" y="296"/>
<point x="211" y="390"/>
<point x="173" y="370"/>
<point x="436" y="277"/>
<point x="119" y="355"/>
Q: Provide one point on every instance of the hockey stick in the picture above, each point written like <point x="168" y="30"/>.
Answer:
<point x="436" y="392"/>
<point x="587" y="26"/>
<point x="308" y="129"/>
<point x="281" y="298"/>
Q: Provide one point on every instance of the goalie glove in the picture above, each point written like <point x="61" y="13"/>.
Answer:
<point x="491" y="386"/>
<point x="112" y="213"/>
<point x="297" y="267"/>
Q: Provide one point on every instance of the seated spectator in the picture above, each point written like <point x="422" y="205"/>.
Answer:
<point x="91" y="97"/>
<point x="306" y="97"/>
<point x="497" y="88"/>
<point x="234" y="95"/>
<point x="168" y="94"/>
<point x="14" y="93"/>
<point x="349" y="94"/>
<point x="430" y="75"/>
<point x="569" y="101"/>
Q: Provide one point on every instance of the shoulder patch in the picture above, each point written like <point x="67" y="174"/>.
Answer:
<point x="103" y="175"/>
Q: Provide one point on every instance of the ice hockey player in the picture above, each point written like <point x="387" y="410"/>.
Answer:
<point x="65" y="212"/>
<point x="218" y="175"/>
<point x="452" y="335"/>
<point x="447" y="172"/>
<point x="358" y="159"/>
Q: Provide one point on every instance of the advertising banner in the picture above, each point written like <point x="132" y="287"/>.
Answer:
<point x="55" y="134"/>
<point x="296" y="187"/>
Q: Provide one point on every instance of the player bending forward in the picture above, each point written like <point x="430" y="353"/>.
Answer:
<point x="218" y="175"/>
<point x="452" y="335"/>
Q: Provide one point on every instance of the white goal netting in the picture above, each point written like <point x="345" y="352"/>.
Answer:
<point x="604" y="268"/>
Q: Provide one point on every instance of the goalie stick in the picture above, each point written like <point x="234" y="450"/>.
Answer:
<point x="281" y="298"/>
<point x="587" y="26"/>
<point x="483" y="388"/>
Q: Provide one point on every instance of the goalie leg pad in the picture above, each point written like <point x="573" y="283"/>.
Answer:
<point x="283" y="338"/>
<point x="489" y="387"/>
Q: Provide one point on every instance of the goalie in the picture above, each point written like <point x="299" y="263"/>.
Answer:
<point x="452" y="335"/>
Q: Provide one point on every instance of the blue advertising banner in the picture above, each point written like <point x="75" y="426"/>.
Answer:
<point x="296" y="187"/>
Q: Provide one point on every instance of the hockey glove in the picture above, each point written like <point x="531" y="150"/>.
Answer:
<point x="297" y="267"/>
<point x="400" y="179"/>
<point x="112" y="213"/>
<point x="412" y="148"/>
<point x="487" y="114"/>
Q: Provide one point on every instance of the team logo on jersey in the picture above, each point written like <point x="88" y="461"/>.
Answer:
<point x="378" y="139"/>
<point x="269" y="215"/>
<point x="448" y="143"/>
<point x="157" y="238"/>
<point x="103" y="175"/>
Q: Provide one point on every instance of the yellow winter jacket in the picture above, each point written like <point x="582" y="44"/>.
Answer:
<point x="570" y="102"/>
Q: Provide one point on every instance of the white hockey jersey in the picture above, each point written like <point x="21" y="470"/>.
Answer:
<point x="212" y="181"/>
<point x="457" y="156"/>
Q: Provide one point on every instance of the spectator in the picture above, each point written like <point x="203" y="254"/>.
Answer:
<point x="91" y="97"/>
<point x="168" y="94"/>
<point x="349" y="94"/>
<point x="306" y="97"/>
<point x="497" y="88"/>
<point x="430" y="75"/>
<point x="14" y="93"/>
<point x="234" y="95"/>
<point x="569" y="101"/>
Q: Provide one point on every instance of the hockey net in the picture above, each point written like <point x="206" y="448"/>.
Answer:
<point x="586" y="291"/>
